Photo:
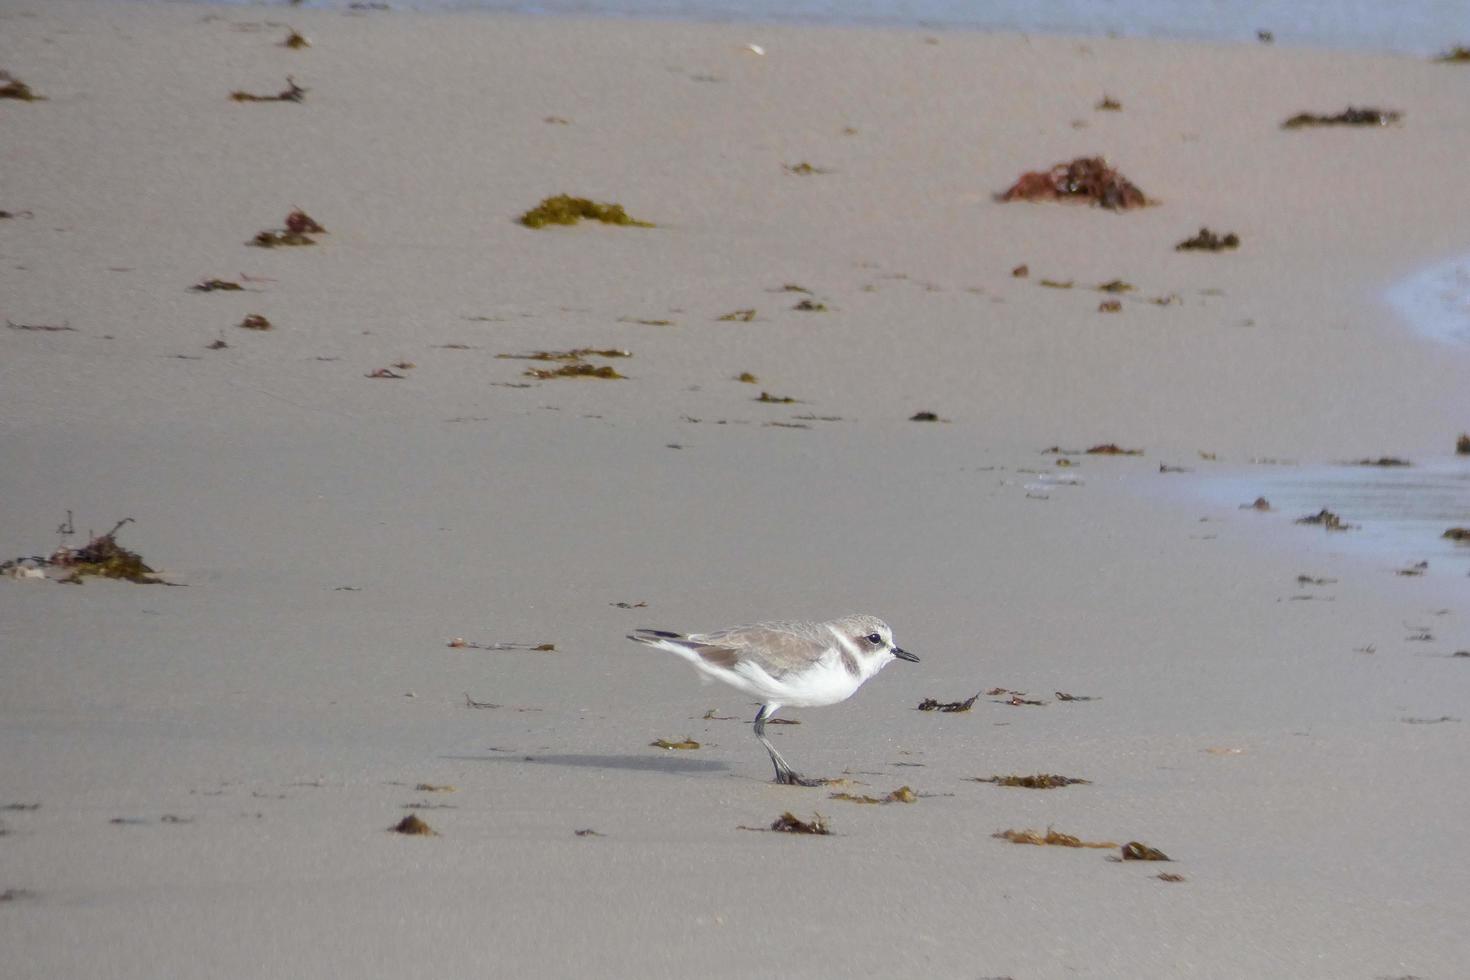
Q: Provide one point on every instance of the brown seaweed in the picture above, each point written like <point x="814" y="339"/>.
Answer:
<point x="1043" y="780"/>
<point x="563" y="209"/>
<point x="216" y="285"/>
<point x="13" y="88"/>
<point x="41" y="327"/>
<point x="578" y="370"/>
<point x="295" y="41"/>
<point x="1208" y="241"/>
<point x="1327" y="519"/>
<point x="1462" y="445"/>
<point x="411" y="824"/>
<point x="1109" y="104"/>
<point x="737" y="316"/>
<point x="948" y="707"/>
<point x="103" y="557"/>
<point x="1051" y="837"/>
<point x="901" y="795"/>
<point x="1113" y="449"/>
<point x="1385" y="461"/>
<point x="1086" y="179"/>
<point x="811" y="306"/>
<point x="292" y="93"/>
<point x="1457" y="534"/>
<point x="789" y="823"/>
<point x="924" y="417"/>
<point x="766" y="396"/>
<point x="1348" y="117"/>
<point x="301" y="223"/>
<point x="803" y="169"/>
<point x="1110" y="306"/>
<point x="254" y="321"/>
<point x="1137" y="851"/>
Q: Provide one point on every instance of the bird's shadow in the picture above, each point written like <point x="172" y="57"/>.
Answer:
<point x="637" y="763"/>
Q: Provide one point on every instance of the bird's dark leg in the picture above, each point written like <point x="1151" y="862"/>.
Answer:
<point x="784" y="773"/>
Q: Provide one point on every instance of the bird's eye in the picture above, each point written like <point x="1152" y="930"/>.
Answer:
<point x="874" y="638"/>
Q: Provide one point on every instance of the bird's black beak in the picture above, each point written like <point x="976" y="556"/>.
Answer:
<point x="902" y="654"/>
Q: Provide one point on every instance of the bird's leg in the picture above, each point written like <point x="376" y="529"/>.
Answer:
<point x="784" y="773"/>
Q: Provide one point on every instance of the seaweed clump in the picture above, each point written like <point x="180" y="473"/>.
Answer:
<point x="1043" y="780"/>
<point x="291" y="93"/>
<point x="1138" y="851"/>
<point x="1462" y="445"/>
<point x="1327" y="519"/>
<point x="789" y="823"/>
<point x="1086" y="179"/>
<point x="901" y="795"/>
<point x="105" y="558"/>
<point x="1209" y="241"/>
<point x="1051" y="837"/>
<point x="573" y="365"/>
<point x="411" y="824"/>
<point x="948" y="707"/>
<point x="13" y="88"/>
<point x="300" y="226"/>
<point x="1461" y="534"/>
<point x="1348" y="117"/>
<point x="663" y="743"/>
<point x="563" y="209"/>
<point x="1458" y="54"/>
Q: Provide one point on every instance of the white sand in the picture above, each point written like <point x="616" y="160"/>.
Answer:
<point x="286" y="721"/>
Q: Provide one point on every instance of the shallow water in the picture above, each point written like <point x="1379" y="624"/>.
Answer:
<point x="1420" y="27"/>
<point x="1435" y="301"/>
<point x="1398" y="513"/>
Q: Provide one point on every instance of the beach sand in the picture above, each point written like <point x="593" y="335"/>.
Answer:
<point x="199" y="781"/>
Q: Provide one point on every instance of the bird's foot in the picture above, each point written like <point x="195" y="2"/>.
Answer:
<point x="788" y="778"/>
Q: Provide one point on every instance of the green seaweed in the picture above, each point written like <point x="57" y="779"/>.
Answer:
<point x="563" y="209"/>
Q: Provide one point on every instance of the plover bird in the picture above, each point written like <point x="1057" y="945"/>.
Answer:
<point x="787" y="663"/>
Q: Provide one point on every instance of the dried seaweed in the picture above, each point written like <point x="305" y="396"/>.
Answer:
<point x="1385" y="461"/>
<point x="1137" y="851"/>
<point x="570" y="356"/>
<point x="301" y="223"/>
<point x="901" y="795"/>
<point x="948" y="707"/>
<point x="1327" y="519"/>
<point x="1051" y="837"/>
<point x="745" y="377"/>
<point x="1462" y="445"/>
<point x="1457" y="534"/>
<point x="563" y="209"/>
<point x="1458" y="54"/>
<point x="1110" y="306"/>
<point x="1109" y="104"/>
<point x="103" y="557"/>
<point x="1043" y="780"/>
<point x="588" y="832"/>
<point x="810" y="306"/>
<point x="13" y="88"/>
<point x="580" y="370"/>
<point x="1348" y="117"/>
<point x="1114" y="286"/>
<point x="384" y="373"/>
<point x="789" y="823"/>
<point x="292" y="93"/>
<point x="254" y="321"/>
<point x="924" y="417"/>
<point x="737" y="316"/>
<point x="1260" y="503"/>
<point x="1057" y="283"/>
<point x="411" y="824"/>
<point x="766" y="396"/>
<point x="1021" y="271"/>
<point x="277" y="239"/>
<point x="41" y="327"/>
<point x="663" y="743"/>
<point x="460" y="643"/>
<point x="1169" y="876"/>
<point x="1113" y="449"/>
<point x="216" y="285"/>
<point x="1415" y="570"/>
<point x="1064" y="696"/>
<point x="1208" y="241"/>
<point x="1086" y="179"/>
<point x="295" y="41"/>
<point x="646" y="323"/>
<point x="803" y="169"/>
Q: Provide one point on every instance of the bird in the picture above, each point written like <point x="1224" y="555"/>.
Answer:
<point x="787" y="662"/>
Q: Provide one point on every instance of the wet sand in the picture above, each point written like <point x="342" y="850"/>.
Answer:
<point x="200" y="780"/>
